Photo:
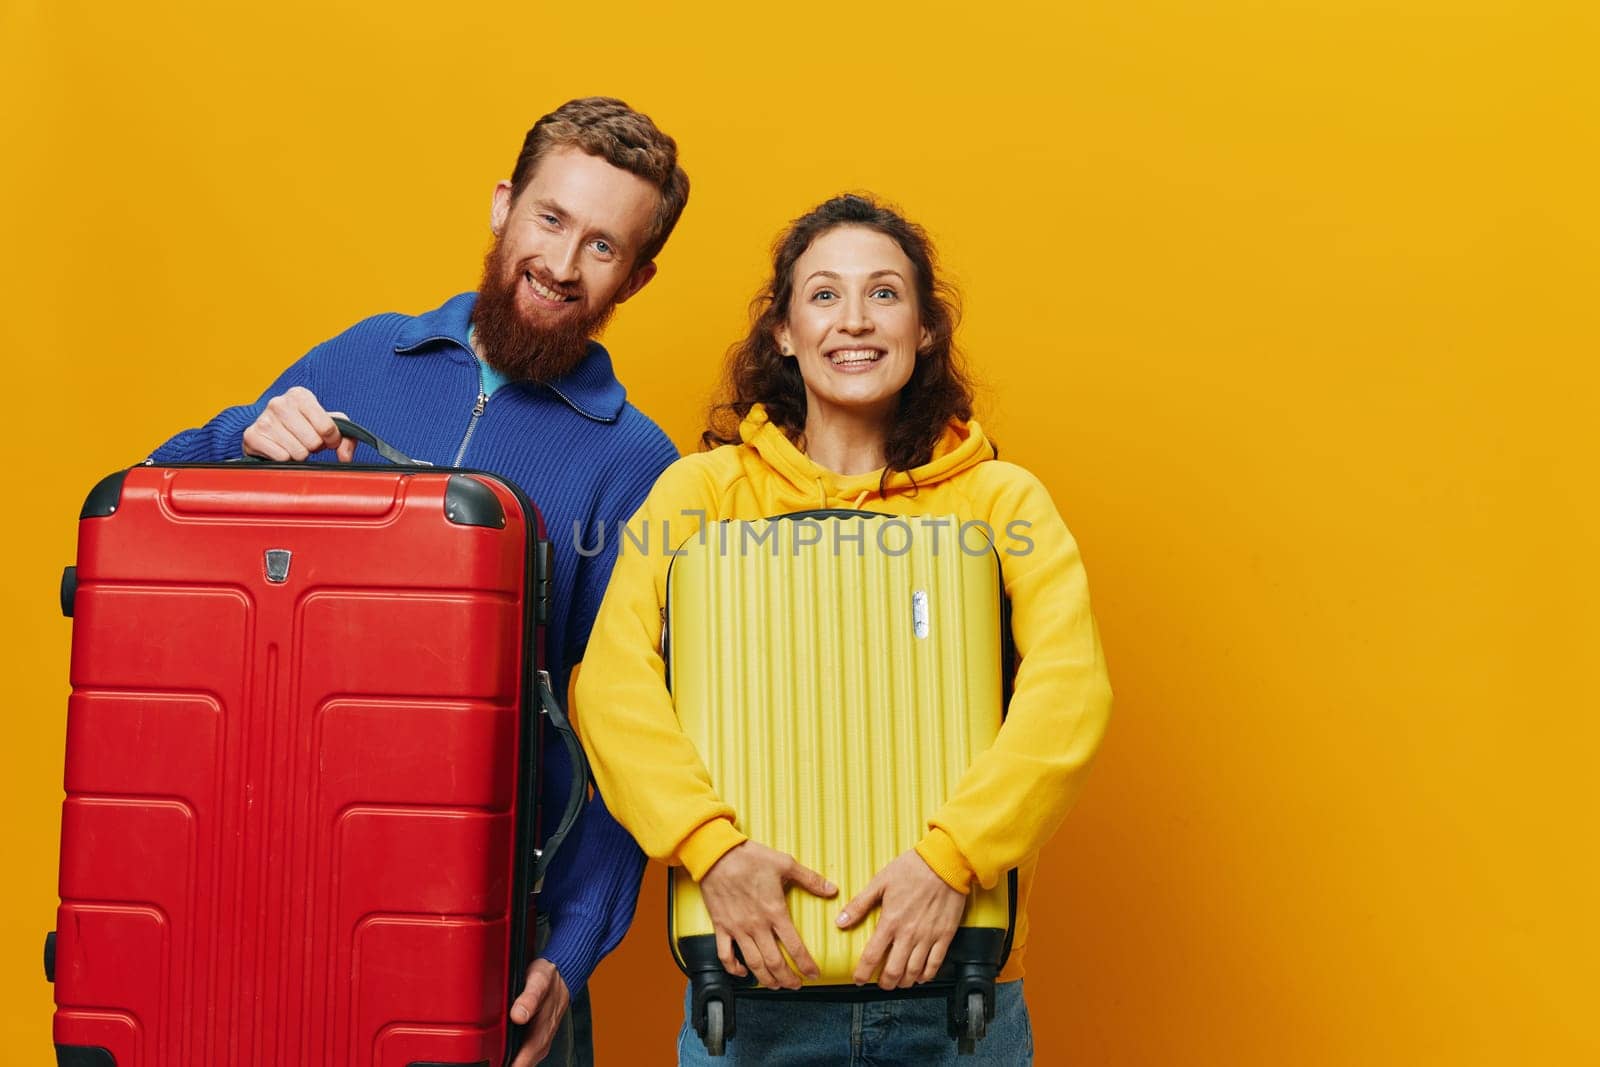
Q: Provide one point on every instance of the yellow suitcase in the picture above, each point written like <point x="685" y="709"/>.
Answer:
<point x="838" y="671"/>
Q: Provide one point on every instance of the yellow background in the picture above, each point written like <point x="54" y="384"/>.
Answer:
<point x="1293" y="306"/>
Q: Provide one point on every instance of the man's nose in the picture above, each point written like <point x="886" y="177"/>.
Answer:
<point x="563" y="262"/>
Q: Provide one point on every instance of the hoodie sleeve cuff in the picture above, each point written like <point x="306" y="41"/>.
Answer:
<point x="709" y="843"/>
<point x="939" y="852"/>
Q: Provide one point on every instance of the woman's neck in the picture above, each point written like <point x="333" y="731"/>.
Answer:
<point x="846" y="443"/>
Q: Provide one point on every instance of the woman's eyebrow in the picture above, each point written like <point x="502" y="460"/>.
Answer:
<point x="887" y="272"/>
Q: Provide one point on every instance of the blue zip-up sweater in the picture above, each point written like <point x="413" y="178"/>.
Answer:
<point x="582" y="454"/>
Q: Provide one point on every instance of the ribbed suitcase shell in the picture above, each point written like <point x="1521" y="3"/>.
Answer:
<point x="292" y="807"/>
<point x="837" y="676"/>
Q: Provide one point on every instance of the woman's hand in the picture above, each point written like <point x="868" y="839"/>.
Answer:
<point x="743" y="892"/>
<point x="920" y="916"/>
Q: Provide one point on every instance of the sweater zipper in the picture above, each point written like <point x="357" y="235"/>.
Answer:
<point x="477" y="413"/>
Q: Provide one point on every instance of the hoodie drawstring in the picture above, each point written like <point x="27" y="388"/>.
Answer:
<point x="822" y="496"/>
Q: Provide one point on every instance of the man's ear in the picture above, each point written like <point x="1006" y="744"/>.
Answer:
<point x="637" y="280"/>
<point x="499" y="207"/>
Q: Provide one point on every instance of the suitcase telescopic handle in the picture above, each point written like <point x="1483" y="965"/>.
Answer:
<point x="580" y="779"/>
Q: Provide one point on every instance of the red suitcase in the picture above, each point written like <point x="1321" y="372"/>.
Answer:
<point x="300" y="774"/>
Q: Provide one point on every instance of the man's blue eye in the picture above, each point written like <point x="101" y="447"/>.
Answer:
<point x="603" y="248"/>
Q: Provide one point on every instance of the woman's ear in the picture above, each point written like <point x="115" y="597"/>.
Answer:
<point x="785" y="345"/>
<point x="925" y="342"/>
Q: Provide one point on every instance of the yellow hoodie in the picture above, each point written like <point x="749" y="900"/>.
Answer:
<point x="1012" y="797"/>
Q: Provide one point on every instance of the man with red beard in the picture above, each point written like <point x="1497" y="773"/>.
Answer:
<point x="509" y="380"/>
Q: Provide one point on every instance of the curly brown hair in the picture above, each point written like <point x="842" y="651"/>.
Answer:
<point x="940" y="388"/>
<point x="606" y="127"/>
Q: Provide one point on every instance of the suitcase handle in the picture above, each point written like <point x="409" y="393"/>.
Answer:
<point x="357" y="432"/>
<point x="580" y="779"/>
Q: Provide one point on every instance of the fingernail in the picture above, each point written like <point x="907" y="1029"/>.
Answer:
<point x="829" y="887"/>
<point x="843" y="919"/>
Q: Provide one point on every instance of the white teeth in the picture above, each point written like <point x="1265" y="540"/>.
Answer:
<point x="547" y="293"/>
<point x="854" y="355"/>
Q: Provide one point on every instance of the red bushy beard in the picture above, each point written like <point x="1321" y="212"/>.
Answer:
<point x="518" y="346"/>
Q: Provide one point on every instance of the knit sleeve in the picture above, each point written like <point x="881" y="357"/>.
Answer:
<point x="591" y="894"/>
<point x="222" y="438"/>
<point x="592" y="889"/>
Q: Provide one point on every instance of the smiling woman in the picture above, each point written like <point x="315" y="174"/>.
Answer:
<point x="848" y="389"/>
<point x="900" y="307"/>
<point x="855" y="331"/>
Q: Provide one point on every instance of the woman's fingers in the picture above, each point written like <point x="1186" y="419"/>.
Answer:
<point x="862" y="903"/>
<point x="877" y="945"/>
<point x="766" y="961"/>
<point x="730" y="962"/>
<point x="776" y="918"/>
<point x="908" y="955"/>
<point x="754" y="960"/>
<point x="810" y="880"/>
<point x="919" y="917"/>
<point x="797" y="949"/>
<point x="894" y="965"/>
<point x="744" y="894"/>
<point x="917" y="963"/>
<point x="936" y="958"/>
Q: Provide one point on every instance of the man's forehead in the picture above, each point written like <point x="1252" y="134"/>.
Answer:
<point x="591" y="189"/>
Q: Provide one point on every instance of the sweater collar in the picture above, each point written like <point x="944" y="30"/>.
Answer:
<point x="591" y="388"/>
<point x="962" y="447"/>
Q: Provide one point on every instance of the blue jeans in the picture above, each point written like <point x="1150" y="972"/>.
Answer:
<point x="877" y="1033"/>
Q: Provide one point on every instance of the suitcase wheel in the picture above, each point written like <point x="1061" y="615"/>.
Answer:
<point x="977" y="1025"/>
<point x="716" y="1040"/>
<point x="713" y="1006"/>
<point x="69" y="589"/>
<point x="50" y="956"/>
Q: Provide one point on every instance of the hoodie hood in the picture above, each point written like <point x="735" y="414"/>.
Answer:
<point x="802" y="483"/>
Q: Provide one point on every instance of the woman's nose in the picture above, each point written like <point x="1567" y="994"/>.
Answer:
<point x="857" y="318"/>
